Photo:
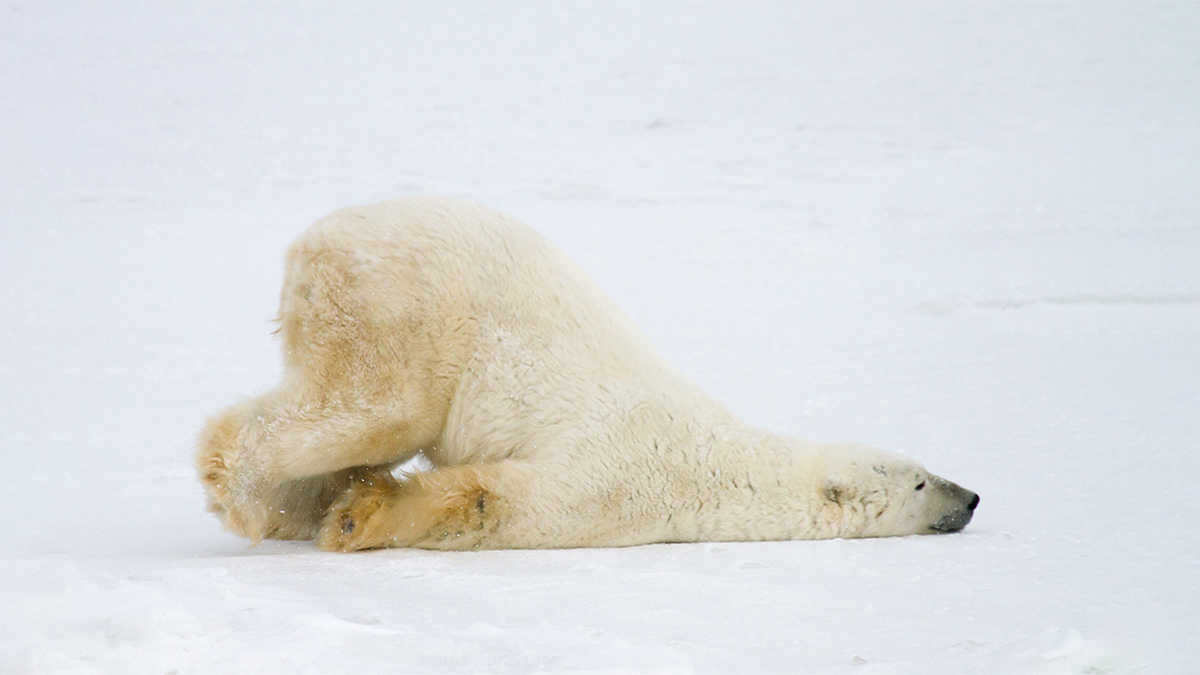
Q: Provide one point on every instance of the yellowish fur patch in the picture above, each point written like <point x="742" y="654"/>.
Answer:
<point x="447" y="508"/>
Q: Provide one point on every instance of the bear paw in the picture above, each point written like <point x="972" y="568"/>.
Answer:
<point x="358" y="520"/>
<point x="236" y="494"/>
<point x="214" y="462"/>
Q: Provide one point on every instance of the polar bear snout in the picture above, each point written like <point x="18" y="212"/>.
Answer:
<point x="957" y="505"/>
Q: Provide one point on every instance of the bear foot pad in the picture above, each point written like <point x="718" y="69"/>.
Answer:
<point x="357" y="520"/>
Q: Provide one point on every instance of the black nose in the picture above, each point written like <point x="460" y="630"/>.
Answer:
<point x="974" y="502"/>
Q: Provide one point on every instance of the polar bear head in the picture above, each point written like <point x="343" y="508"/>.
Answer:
<point x="867" y="492"/>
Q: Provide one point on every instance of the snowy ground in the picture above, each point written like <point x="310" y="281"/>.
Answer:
<point x="969" y="232"/>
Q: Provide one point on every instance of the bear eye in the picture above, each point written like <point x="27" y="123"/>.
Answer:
<point x="921" y="485"/>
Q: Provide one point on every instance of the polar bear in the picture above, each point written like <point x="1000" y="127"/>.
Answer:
<point x="442" y="328"/>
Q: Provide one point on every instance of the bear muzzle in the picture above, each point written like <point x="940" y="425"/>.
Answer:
<point x="961" y="504"/>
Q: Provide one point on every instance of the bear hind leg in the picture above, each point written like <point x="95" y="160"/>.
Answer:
<point x="272" y="471"/>
<point x="471" y="506"/>
<point x="363" y="388"/>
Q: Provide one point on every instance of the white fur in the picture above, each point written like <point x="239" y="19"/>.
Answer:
<point x="445" y="328"/>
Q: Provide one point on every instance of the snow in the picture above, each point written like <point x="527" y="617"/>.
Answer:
<point x="966" y="232"/>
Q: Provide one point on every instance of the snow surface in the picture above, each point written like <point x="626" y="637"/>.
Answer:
<point x="966" y="232"/>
